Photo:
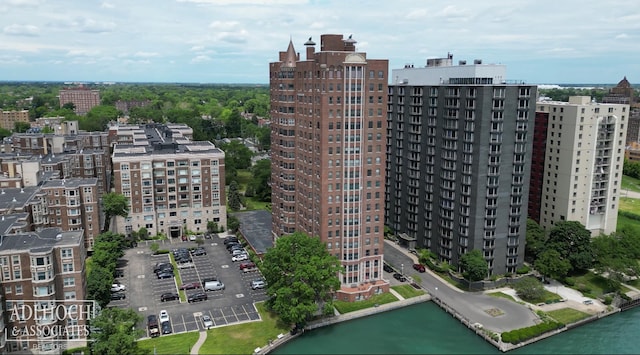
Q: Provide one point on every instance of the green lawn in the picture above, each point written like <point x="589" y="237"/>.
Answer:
<point x="407" y="291"/>
<point x="567" y="315"/>
<point x="629" y="204"/>
<point x="176" y="275"/>
<point x="635" y="283"/>
<point x="502" y="295"/>
<point x="170" y="344"/>
<point x="244" y="338"/>
<point x="591" y="285"/>
<point x="346" y="307"/>
<point x="548" y="297"/>
<point x="629" y="183"/>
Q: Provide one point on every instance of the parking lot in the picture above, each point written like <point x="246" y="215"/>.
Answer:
<point x="232" y="305"/>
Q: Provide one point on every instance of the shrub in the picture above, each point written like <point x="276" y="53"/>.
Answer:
<point x="162" y="251"/>
<point x="524" y="269"/>
<point x="584" y="288"/>
<point x="524" y="334"/>
<point x="607" y="300"/>
<point x="570" y="281"/>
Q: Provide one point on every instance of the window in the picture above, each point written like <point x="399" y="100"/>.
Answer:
<point x="69" y="281"/>
<point x="18" y="289"/>
<point x="66" y="253"/>
<point x="67" y="267"/>
<point x="70" y="295"/>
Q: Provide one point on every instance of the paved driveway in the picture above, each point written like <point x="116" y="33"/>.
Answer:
<point x="474" y="306"/>
<point x="232" y="305"/>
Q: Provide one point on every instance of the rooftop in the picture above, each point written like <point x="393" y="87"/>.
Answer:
<point x="16" y="197"/>
<point x="39" y="242"/>
<point x="255" y="226"/>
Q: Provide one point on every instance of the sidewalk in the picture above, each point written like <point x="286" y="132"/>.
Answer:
<point x="195" y="349"/>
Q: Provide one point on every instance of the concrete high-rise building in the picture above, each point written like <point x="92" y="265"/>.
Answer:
<point x="328" y="125"/>
<point x="583" y="162"/>
<point x="172" y="186"/>
<point x="458" y="158"/>
<point x="82" y="98"/>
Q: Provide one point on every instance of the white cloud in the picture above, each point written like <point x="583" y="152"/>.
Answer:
<point x="223" y="25"/>
<point x="21" y="30"/>
<point x="11" y="59"/>
<point x="83" y="53"/>
<point x="146" y="54"/>
<point x="416" y="14"/>
<point x="106" y="5"/>
<point x="200" y="59"/>
<point x="196" y="48"/>
<point x="246" y="2"/>
<point x="622" y="36"/>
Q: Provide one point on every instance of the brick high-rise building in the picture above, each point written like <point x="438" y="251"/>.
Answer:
<point x="83" y="98"/>
<point x="9" y="118"/>
<point x="459" y="147"/>
<point x="328" y="126"/>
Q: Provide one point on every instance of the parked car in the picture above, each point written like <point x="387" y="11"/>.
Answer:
<point x="235" y="247"/>
<point x="182" y="260"/>
<point x="256" y="284"/>
<point x="118" y="273"/>
<point x="207" y="322"/>
<point x="166" y="328"/>
<point x="231" y="239"/>
<point x="399" y="277"/>
<point x="247" y="265"/>
<point x="161" y="266"/>
<point x="240" y="257"/>
<point x="152" y="320"/>
<point x="186" y="265"/>
<point x="387" y="268"/>
<point x="197" y="297"/>
<point x="235" y="252"/>
<point x="190" y="286"/>
<point x="152" y="325"/>
<point x="198" y="252"/>
<point x="165" y="274"/>
<point x="117" y="287"/>
<point x="193" y="237"/>
<point x="207" y="236"/>
<point x="163" y="316"/>
<point x="213" y="285"/>
<point x="419" y="267"/>
<point x="118" y="296"/>
<point x="169" y="296"/>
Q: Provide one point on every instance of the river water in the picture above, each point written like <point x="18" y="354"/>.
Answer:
<point x="426" y="329"/>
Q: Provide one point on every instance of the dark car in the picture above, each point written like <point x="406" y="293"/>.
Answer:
<point x="235" y="247"/>
<point x="162" y="266"/>
<point x="190" y="286"/>
<point x="198" y="252"/>
<point x="118" y="296"/>
<point x="387" y="268"/>
<point x="399" y="277"/>
<point x="207" y="236"/>
<point x="118" y="273"/>
<point x="166" y="328"/>
<point x="231" y="245"/>
<point x="197" y="297"/>
<point x="419" y="267"/>
<point x="228" y="240"/>
<point x="165" y="275"/>
<point x="169" y="296"/>
<point x="183" y="260"/>
<point x="152" y="320"/>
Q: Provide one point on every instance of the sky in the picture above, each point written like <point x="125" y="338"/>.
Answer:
<point x="233" y="41"/>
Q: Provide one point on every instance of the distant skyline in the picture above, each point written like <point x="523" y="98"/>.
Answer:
<point x="232" y="41"/>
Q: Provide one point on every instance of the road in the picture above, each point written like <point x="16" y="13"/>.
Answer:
<point x="628" y="193"/>
<point x="471" y="305"/>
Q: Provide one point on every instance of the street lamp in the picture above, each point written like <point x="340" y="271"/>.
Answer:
<point x="402" y="269"/>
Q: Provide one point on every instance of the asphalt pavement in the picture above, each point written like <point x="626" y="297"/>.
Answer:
<point x="493" y="313"/>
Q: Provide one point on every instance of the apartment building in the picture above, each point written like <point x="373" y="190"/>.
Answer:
<point x="327" y="163"/>
<point x="459" y="142"/>
<point x="83" y="98"/>
<point x="583" y="161"/>
<point x="42" y="271"/>
<point x="173" y="186"/>
<point x="9" y="118"/>
<point x="624" y="93"/>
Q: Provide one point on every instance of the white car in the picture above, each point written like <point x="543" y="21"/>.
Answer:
<point x="117" y="287"/>
<point x="164" y="316"/>
<point x="193" y="237"/>
<point x="240" y="257"/>
<point x="207" y="322"/>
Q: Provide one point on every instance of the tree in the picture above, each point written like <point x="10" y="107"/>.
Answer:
<point x="529" y="289"/>
<point x="261" y="172"/>
<point x="616" y="255"/>
<point x="301" y="278"/>
<point x="99" y="283"/>
<point x="233" y="223"/>
<point x="4" y="133"/>
<point x="551" y="264"/>
<point x="116" y="332"/>
<point x="474" y="266"/>
<point x="535" y="240"/>
<point x="573" y="241"/>
<point x="235" y="202"/>
<point x="21" y="127"/>
<point x="234" y="124"/>
<point x="114" y="204"/>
